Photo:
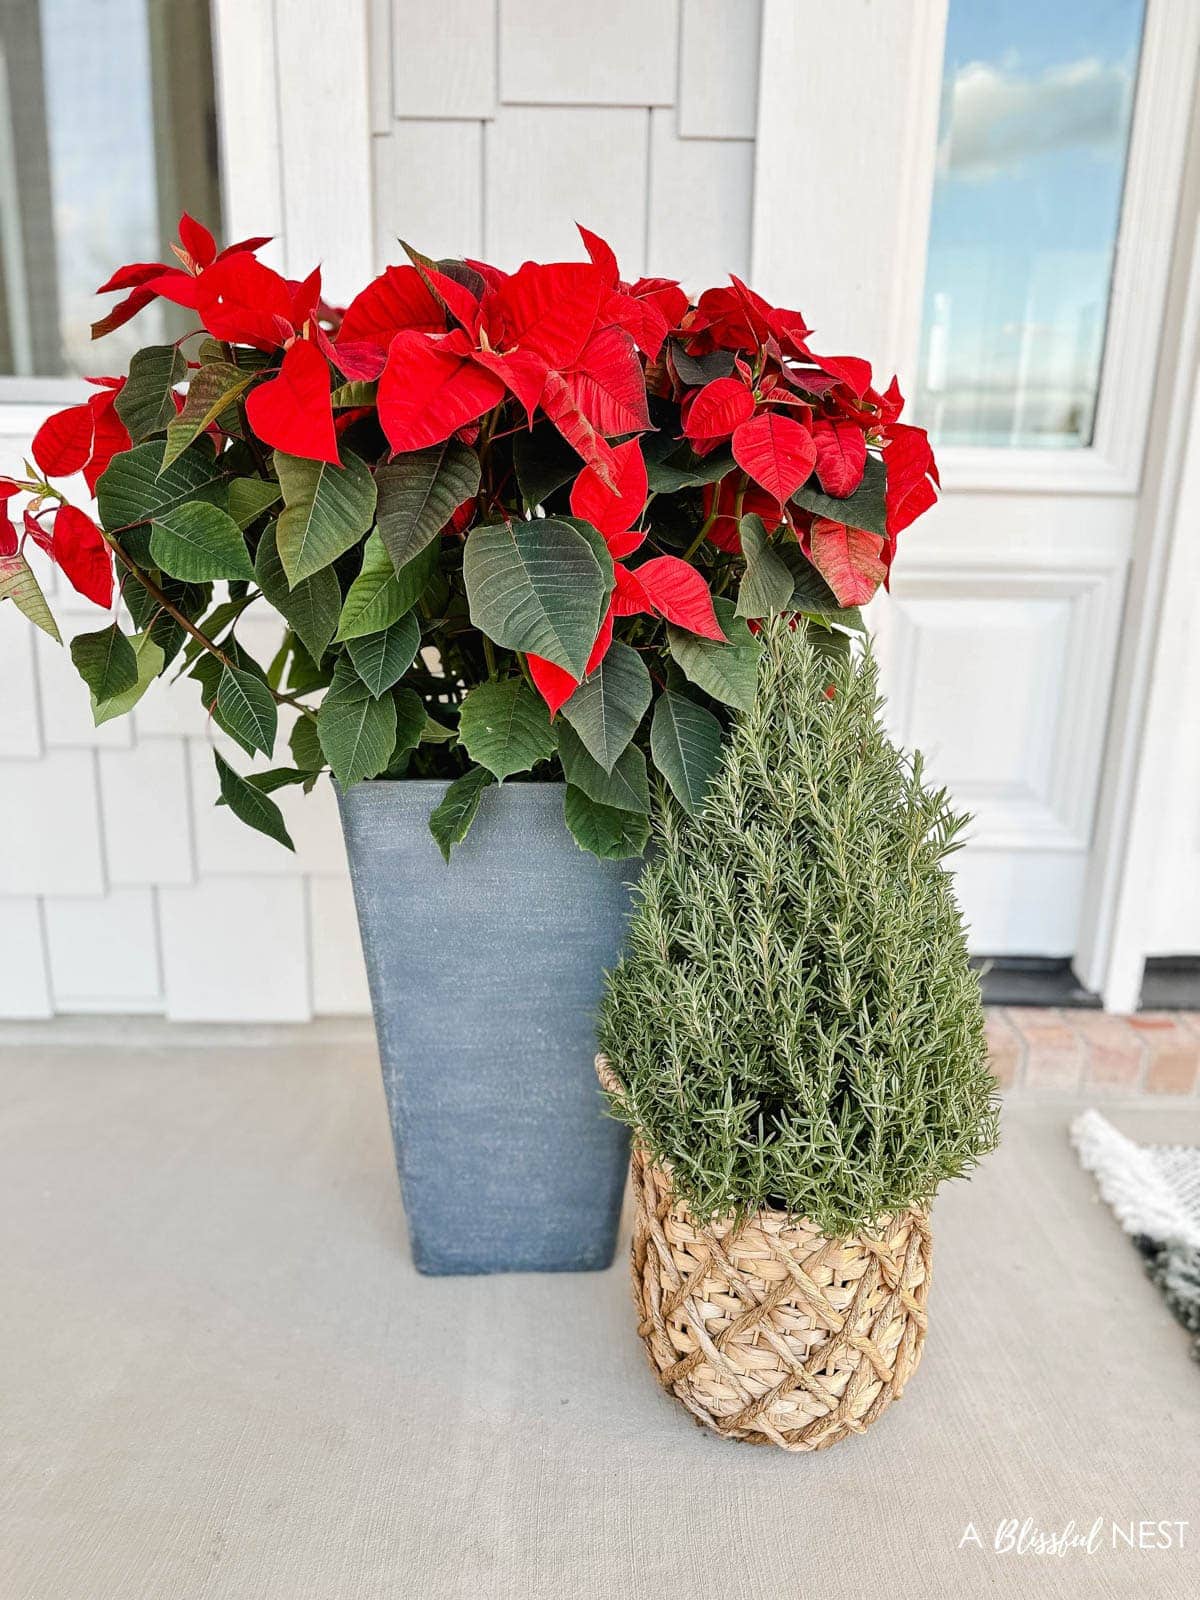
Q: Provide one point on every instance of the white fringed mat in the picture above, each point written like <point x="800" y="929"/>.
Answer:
<point x="1154" y="1192"/>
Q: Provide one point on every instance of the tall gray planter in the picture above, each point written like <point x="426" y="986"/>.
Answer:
<point x="485" y="976"/>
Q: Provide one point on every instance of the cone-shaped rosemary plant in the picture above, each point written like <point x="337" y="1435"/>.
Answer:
<point x="795" y="1023"/>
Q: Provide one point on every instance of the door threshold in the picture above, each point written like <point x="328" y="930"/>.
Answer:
<point x="1171" y="983"/>
<point x="1032" y="981"/>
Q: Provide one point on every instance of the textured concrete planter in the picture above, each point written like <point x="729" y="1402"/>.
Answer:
<point x="485" y="975"/>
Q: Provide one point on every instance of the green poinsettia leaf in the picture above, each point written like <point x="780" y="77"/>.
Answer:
<point x="865" y="508"/>
<point x="810" y="592"/>
<point x="537" y="586"/>
<point x="672" y="464"/>
<point x="250" y="497"/>
<point x="626" y="787"/>
<point x="249" y="804"/>
<point x="150" y="662"/>
<point x="418" y="494"/>
<point x="505" y="727"/>
<point x="380" y="595"/>
<point x="450" y="820"/>
<point x="354" y="394"/>
<point x="189" y="599"/>
<point x="196" y="542"/>
<point x="213" y="388"/>
<point x="305" y="746"/>
<point x="133" y="489"/>
<point x="106" y="662"/>
<point x="607" y="706"/>
<point x="145" y="403"/>
<point x="246" y="709"/>
<point x="727" y="672"/>
<point x="357" y="732"/>
<point x="435" y="733"/>
<point x="275" y="778"/>
<point x="767" y="583"/>
<point x="696" y="371"/>
<point x="18" y="584"/>
<point x="411" y="719"/>
<point x="327" y="509"/>
<point x="311" y="608"/>
<point x="685" y="741"/>
<point x="604" y="831"/>
<point x="382" y="659"/>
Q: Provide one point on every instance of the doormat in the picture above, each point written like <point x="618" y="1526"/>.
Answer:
<point x="1154" y="1192"/>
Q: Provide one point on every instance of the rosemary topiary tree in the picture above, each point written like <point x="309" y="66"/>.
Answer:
<point x="795" y="1024"/>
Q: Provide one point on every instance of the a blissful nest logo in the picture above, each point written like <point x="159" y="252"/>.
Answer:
<point x="1022" y="1536"/>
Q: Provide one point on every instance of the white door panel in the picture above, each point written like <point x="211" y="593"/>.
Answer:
<point x="997" y="646"/>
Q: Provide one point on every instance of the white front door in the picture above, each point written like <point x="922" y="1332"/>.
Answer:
<point x="990" y="193"/>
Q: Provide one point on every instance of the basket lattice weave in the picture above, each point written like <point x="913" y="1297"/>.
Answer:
<point x="770" y="1331"/>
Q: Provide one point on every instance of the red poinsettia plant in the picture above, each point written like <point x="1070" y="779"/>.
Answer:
<point x="511" y="523"/>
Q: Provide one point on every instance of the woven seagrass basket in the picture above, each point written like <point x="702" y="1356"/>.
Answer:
<point x="770" y="1331"/>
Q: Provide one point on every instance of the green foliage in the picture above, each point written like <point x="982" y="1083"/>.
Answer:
<point x="505" y="727"/>
<point x="449" y="821"/>
<point x="727" y="671"/>
<point x="212" y="390"/>
<point x="604" y="831"/>
<point x="250" y="497"/>
<point x="685" y="741"/>
<point x="442" y="603"/>
<point x="145" y="404"/>
<point x="607" y="707"/>
<point x="136" y="488"/>
<point x="382" y="659"/>
<point x="150" y="662"/>
<point x="865" y="508"/>
<point x="250" y="805"/>
<point x="537" y="586"/>
<point x="419" y="493"/>
<point x="357" y="731"/>
<point x="247" y="709"/>
<point x="105" y="661"/>
<point x="795" y="1022"/>
<point x="672" y="464"/>
<point x="305" y="745"/>
<point x="18" y="584"/>
<point x="311" y="607"/>
<point x="327" y="509"/>
<point x="380" y="595"/>
<point x="626" y="787"/>
<point x="197" y="542"/>
<point x="767" y="583"/>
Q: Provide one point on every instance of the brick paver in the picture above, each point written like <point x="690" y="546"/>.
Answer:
<point x="1052" y="1050"/>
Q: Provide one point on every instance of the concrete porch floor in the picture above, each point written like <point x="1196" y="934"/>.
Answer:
<point x="223" y="1380"/>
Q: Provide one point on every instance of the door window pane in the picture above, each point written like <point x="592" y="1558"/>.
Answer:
<point x="1032" y="145"/>
<point x="107" y="132"/>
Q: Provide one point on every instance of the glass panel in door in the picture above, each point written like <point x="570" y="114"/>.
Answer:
<point x="1034" y="135"/>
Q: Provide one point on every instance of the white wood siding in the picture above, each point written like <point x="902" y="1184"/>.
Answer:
<point x="466" y="129"/>
<point x="635" y="118"/>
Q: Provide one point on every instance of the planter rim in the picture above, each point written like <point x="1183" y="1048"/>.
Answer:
<point x="506" y="787"/>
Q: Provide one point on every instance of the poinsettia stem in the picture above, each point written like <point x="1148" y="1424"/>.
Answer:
<point x="701" y="536"/>
<point x="260" y="461"/>
<point x="188" y="626"/>
<point x="489" y="655"/>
